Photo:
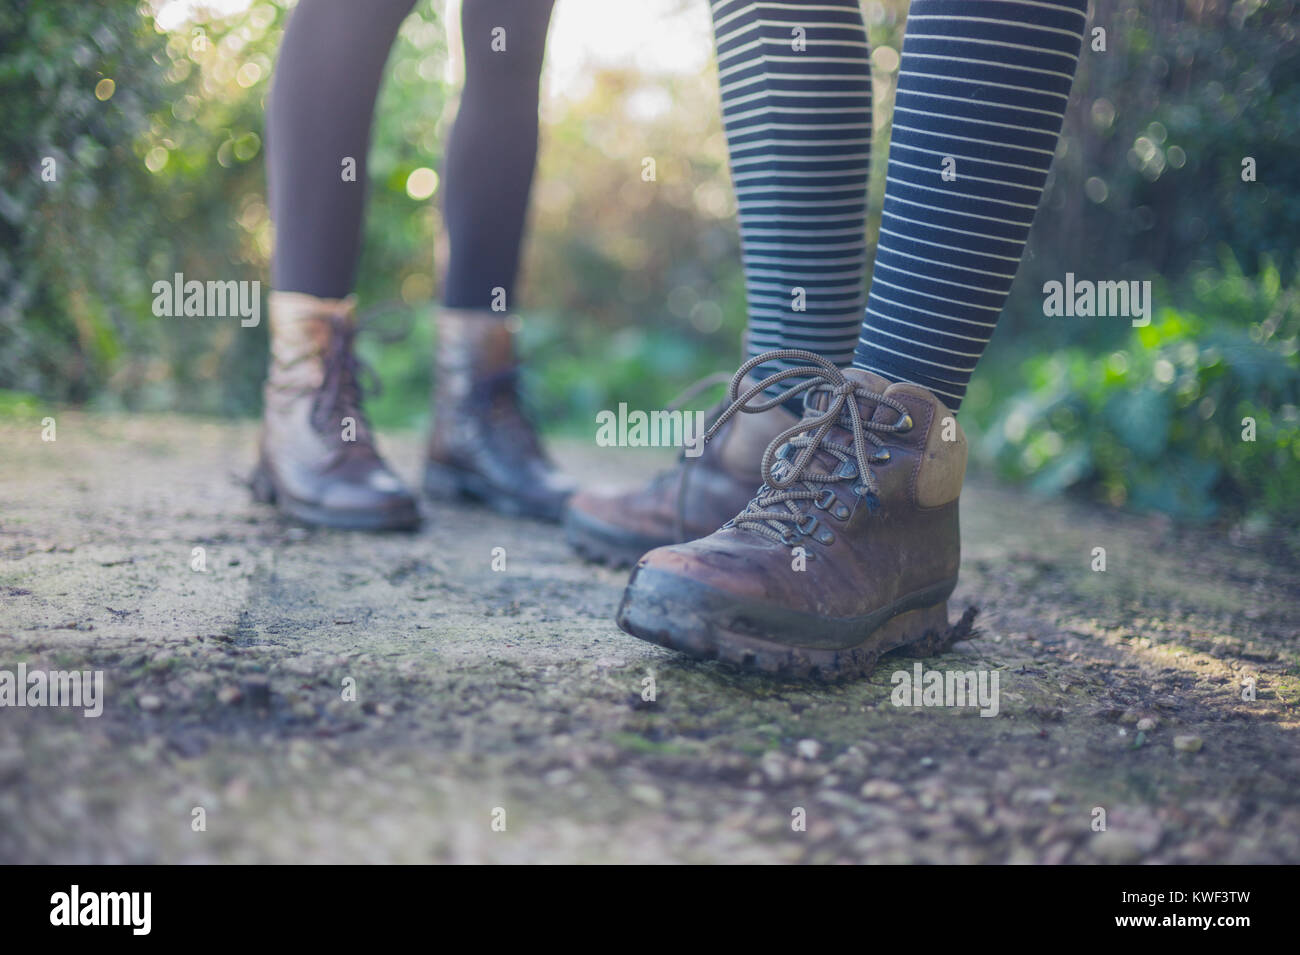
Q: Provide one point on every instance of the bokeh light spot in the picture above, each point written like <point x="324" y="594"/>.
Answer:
<point x="885" y="59"/>
<point x="422" y="183"/>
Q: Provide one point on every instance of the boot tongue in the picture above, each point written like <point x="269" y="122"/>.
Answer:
<point x="815" y="405"/>
<point x="869" y="379"/>
<point x="478" y="380"/>
<point x="819" y="401"/>
<point x="303" y="328"/>
<point x="473" y="344"/>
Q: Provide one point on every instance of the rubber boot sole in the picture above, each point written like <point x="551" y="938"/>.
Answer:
<point x="394" y="519"/>
<point x="604" y="543"/>
<point x="709" y="624"/>
<point x="445" y="483"/>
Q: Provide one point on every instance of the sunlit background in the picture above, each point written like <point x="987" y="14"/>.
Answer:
<point x="632" y="290"/>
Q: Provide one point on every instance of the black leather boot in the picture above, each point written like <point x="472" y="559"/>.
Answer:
<point x="482" y="446"/>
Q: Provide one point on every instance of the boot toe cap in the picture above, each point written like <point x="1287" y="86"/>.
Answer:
<point x="744" y="565"/>
<point x="603" y="504"/>
<point x="379" y="488"/>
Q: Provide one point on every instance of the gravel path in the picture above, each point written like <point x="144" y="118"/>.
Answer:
<point x="499" y="714"/>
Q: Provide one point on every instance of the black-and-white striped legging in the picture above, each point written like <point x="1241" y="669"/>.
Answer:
<point x="982" y="88"/>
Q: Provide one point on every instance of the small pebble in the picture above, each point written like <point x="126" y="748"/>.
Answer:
<point x="1188" y="744"/>
<point x="304" y="710"/>
<point x="558" y="777"/>
<point x="773" y="766"/>
<point x="648" y="795"/>
<point x="881" y="789"/>
<point x="1118" y="848"/>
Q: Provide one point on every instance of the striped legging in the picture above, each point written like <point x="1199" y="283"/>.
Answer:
<point x="982" y="88"/>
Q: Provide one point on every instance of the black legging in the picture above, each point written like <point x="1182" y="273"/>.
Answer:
<point x="319" y="114"/>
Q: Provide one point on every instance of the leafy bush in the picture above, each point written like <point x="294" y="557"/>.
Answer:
<point x="1164" y="422"/>
<point x="70" y="186"/>
<point x="156" y="138"/>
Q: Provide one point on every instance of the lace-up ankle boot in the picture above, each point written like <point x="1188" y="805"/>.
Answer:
<point x="693" y="498"/>
<point x="849" y="549"/>
<point x="483" y="447"/>
<point x="318" y="462"/>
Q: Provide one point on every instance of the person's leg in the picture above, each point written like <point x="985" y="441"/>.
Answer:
<point x="492" y="150"/>
<point x="318" y="460"/>
<point x="795" y="81"/>
<point x="319" y="113"/>
<point x="981" y="92"/>
<point x="851" y="546"/>
<point x="482" y="446"/>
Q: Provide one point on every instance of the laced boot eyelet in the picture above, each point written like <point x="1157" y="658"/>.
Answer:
<point x="904" y="424"/>
<point x="806" y="526"/>
<point x="881" y="456"/>
<point x="847" y="469"/>
<point x="824" y="536"/>
<point x="828" y="502"/>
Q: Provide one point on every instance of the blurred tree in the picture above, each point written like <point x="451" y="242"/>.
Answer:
<point x="155" y="138"/>
<point x="1149" y="173"/>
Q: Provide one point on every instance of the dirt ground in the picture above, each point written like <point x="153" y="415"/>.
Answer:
<point x="499" y="714"/>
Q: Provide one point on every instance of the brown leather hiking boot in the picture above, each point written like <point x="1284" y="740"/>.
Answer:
<point x="849" y="550"/>
<point x="692" y="499"/>
<point x="482" y="446"/>
<point x="318" y="461"/>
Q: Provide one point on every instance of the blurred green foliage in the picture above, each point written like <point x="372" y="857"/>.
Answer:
<point x="632" y="289"/>
<point x="1152" y="150"/>
<point x="638" y="281"/>
<point x="155" y="142"/>
<point x="1196" y="413"/>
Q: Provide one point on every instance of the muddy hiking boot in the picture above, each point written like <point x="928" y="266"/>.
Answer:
<point x="482" y="446"/>
<point x="693" y="498"/>
<point x="318" y="462"/>
<point x="849" y="550"/>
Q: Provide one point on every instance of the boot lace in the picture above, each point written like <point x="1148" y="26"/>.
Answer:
<point x="780" y="508"/>
<point x="501" y="392"/>
<point x="340" y="394"/>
